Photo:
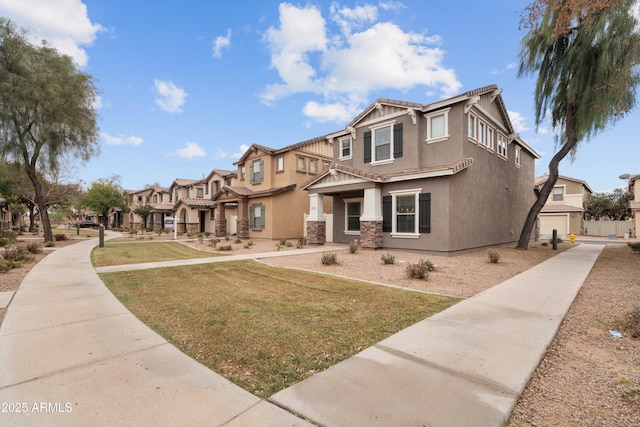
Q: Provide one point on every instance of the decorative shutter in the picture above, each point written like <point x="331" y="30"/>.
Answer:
<point x="251" y="216"/>
<point x="262" y="216"/>
<point x="397" y="140"/>
<point x="367" y="146"/>
<point x="387" y="214"/>
<point x="261" y="171"/>
<point x="424" y="200"/>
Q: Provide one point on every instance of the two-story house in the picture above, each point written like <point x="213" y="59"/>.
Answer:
<point x="634" y="204"/>
<point x="193" y="201"/>
<point x="564" y="209"/>
<point x="441" y="177"/>
<point x="267" y="200"/>
<point x="157" y="197"/>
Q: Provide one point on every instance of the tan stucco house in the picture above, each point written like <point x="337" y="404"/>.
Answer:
<point x="441" y="177"/>
<point x="267" y="199"/>
<point x="564" y="209"/>
<point x="193" y="202"/>
<point x="158" y="197"/>
<point x="634" y="189"/>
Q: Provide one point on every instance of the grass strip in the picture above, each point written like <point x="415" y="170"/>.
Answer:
<point x="267" y="328"/>
<point x="133" y="253"/>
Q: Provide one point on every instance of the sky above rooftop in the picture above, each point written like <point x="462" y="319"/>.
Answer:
<point x="188" y="86"/>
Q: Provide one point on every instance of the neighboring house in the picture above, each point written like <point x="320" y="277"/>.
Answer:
<point x="564" y="209"/>
<point x="442" y="177"/>
<point x="267" y="199"/>
<point x="634" y="189"/>
<point x="5" y="215"/>
<point x="158" y="197"/>
<point x="193" y="201"/>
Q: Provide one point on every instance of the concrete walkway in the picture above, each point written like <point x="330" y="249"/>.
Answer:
<point x="72" y="355"/>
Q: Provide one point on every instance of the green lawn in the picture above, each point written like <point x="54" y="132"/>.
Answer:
<point x="133" y="253"/>
<point x="266" y="328"/>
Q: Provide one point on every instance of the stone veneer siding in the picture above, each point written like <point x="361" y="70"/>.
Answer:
<point x="243" y="229"/>
<point x="221" y="228"/>
<point x="316" y="232"/>
<point x="371" y="234"/>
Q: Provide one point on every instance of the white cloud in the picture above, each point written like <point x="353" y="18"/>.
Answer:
<point x="345" y="67"/>
<point x="518" y="121"/>
<point x="222" y="154"/>
<point x="97" y="103"/>
<point x="221" y="42"/>
<point x="170" y="97"/>
<point x="63" y="23"/>
<point x="121" y="139"/>
<point x="190" y="150"/>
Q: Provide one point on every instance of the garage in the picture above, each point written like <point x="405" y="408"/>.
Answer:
<point x="549" y="222"/>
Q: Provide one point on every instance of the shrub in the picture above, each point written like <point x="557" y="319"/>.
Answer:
<point x="225" y="248"/>
<point x="60" y="237"/>
<point x="238" y="240"/>
<point x="544" y="244"/>
<point x="301" y="242"/>
<point x="227" y="238"/>
<point x="4" y="242"/>
<point x="388" y="259"/>
<point x="34" y="248"/>
<point x="418" y="270"/>
<point x="5" y="265"/>
<point x="207" y="234"/>
<point x="353" y="247"/>
<point x="494" y="256"/>
<point x="17" y="254"/>
<point x="282" y="242"/>
<point x="49" y="244"/>
<point x="632" y="323"/>
<point x="329" y="258"/>
<point x="11" y="236"/>
<point x="289" y="245"/>
<point x="634" y="246"/>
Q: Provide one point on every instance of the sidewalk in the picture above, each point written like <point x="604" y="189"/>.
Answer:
<point x="75" y="356"/>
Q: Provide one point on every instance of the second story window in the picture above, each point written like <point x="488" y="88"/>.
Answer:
<point x="437" y="126"/>
<point x="558" y="194"/>
<point x="345" y="148"/>
<point x="279" y="163"/>
<point x="199" y="192"/>
<point x="242" y="172"/>
<point x="176" y="195"/>
<point x="517" y="156"/>
<point x="502" y="145"/>
<point x="257" y="173"/>
<point x="313" y="166"/>
<point x="383" y="143"/>
<point x="490" y="143"/>
<point x="301" y="164"/>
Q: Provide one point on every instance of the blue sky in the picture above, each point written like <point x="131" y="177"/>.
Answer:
<point x="187" y="86"/>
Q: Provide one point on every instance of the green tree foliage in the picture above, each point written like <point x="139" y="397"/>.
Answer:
<point x="143" y="211"/>
<point x="46" y="110"/>
<point x="105" y="194"/>
<point x="587" y="76"/>
<point x="613" y="205"/>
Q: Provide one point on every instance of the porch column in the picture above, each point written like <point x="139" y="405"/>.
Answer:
<point x="371" y="219"/>
<point x="243" y="218"/>
<point x="220" y="221"/>
<point x="316" y="222"/>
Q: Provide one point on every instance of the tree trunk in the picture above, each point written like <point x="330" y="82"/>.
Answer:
<point x="40" y="202"/>
<point x="572" y="141"/>
<point x="32" y="216"/>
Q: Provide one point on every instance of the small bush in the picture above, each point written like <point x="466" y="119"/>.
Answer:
<point x="4" y="242"/>
<point x="49" y="244"/>
<point x="301" y="242"/>
<point x="634" y="246"/>
<point x="207" y="234"/>
<point x="388" y="259"/>
<point x="59" y="237"/>
<point x="227" y="238"/>
<point x="631" y="324"/>
<point x="353" y="247"/>
<point x="225" y="248"/>
<point x="419" y="270"/>
<point x="544" y="244"/>
<point x="282" y="242"/>
<point x="329" y="258"/>
<point x="559" y="240"/>
<point x="494" y="256"/>
<point x="200" y="238"/>
<point x="17" y="254"/>
<point x="34" y="248"/>
<point x="238" y="240"/>
<point x="5" y="265"/>
<point x="11" y="236"/>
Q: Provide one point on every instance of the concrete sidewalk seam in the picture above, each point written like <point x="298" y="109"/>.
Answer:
<point x="60" y="325"/>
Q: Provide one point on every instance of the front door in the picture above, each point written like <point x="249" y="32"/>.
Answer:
<point x="202" y="216"/>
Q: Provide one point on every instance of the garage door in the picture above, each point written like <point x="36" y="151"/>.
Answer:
<point x="558" y="222"/>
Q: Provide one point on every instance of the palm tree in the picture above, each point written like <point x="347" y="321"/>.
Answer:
<point x="586" y="78"/>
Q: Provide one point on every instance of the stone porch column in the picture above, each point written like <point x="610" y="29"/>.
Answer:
<point x="371" y="219"/>
<point x="243" y="219"/>
<point x="220" y="221"/>
<point x="316" y="222"/>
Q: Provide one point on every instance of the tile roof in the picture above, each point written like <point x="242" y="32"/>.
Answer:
<point x="197" y="203"/>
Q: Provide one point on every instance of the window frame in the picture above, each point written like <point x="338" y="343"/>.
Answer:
<point x="259" y="172"/>
<point x="304" y="164"/>
<point x="429" y="117"/>
<point x="354" y="200"/>
<point x="313" y="166"/>
<point x="472" y="131"/>
<point x="199" y="192"/>
<point x="490" y="138"/>
<point x="482" y="129"/>
<point x="517" y="156"/>
<point x="342" y="156"/>
<point x="415" y="192"/>
<point x="561" y="194"/>
<point x="260" y="209"/>
<point x="374" y="129"/>
<point x="280" y="164"/>
<point x="502" y="145"/>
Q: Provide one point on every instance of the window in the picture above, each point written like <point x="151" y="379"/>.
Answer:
<point x="326" y="165"/>
<point x="313" y="166"/>
<point x="558" y="194"/>
<point x="279" y="163"/>
<point x="216" y="186"/>
<point x="472" y="127"/>
<point x="490" y="142"/>
<point x="482" y="128"/>
<point x="199" y="192"/>
<point x="155" y="198"/>
<point x="256" y="216"/>
<point x="517" y="156"/>
<point x="345" y="148"/>
<point x="227" y="181"/>
<point x="140" y="199"/>
<point x="502" y="145"/>
<point x="438" y="126"/>
<point x="257" y="173"/>
<point x="383" y="143"/>
<point x="406" y="213"/>
<point x="301" y="164"/>
<point x="353" y="211"/>
<point x="177" y="195"/>
<point x="242" y="172"/>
